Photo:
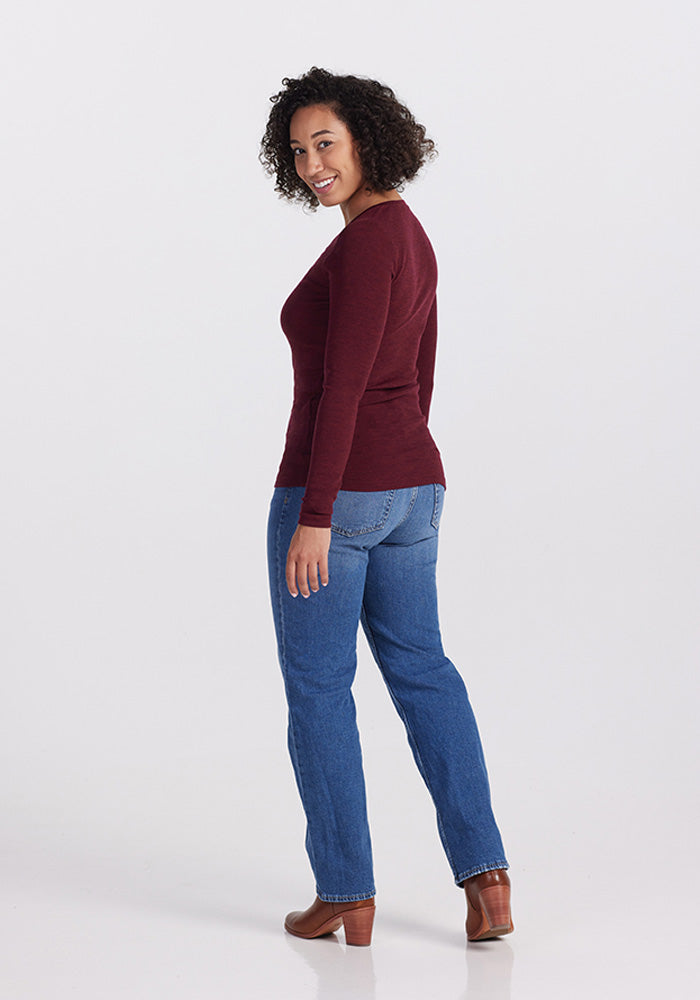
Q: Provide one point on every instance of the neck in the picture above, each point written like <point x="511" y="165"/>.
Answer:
<point x="361" y="200"/>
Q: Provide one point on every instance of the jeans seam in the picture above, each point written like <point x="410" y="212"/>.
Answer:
<point x="407" y="724"/>
<point x="297" y="760"/>
<point x="414" y="494"/>
<point x="501" y="864"/>
<point x="436" y="507"/>
<point x="328" y="898"/>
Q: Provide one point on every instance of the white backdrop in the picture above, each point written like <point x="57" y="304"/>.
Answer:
<point x="153" y="838"/>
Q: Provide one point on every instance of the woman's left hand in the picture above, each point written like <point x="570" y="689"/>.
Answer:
<point x="307" y="557"/>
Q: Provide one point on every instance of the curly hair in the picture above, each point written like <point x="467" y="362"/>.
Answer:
<point x="392" y="146"/>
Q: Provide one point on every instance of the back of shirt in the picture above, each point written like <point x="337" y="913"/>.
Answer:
<point x="362" y="327"/>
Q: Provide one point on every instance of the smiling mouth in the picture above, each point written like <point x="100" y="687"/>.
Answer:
<point x="323" y="185"/>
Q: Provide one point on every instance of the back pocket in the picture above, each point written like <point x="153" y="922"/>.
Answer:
<point x="356" y="512"/>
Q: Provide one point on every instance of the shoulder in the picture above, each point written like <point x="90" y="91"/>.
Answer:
<point x="378" y="234"/>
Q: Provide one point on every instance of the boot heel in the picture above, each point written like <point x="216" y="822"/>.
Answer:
<point x="358" y="925"/>
<point x="495" y="904"/>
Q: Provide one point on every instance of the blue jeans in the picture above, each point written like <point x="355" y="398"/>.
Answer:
<point x="381" y="567"/>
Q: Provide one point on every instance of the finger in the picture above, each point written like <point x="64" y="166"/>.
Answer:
<point x="290" y="576"/>
<point x="313" y="577"/>
<point x="323" y="566"/>
<point x="301" y="577"/>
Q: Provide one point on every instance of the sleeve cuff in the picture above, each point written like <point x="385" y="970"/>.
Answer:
<point x="315" y="520"/>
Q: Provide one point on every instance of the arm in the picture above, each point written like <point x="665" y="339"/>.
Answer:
<point x="426" y="360"/>
<point x="360" y="277"/>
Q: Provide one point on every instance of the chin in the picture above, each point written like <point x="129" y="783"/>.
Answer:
<point x="335" y="199"/>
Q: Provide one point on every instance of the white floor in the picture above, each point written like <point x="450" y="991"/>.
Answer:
<point x="127" y="922"/>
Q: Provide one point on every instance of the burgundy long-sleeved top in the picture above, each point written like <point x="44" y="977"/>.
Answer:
<point x="362" y="327"/>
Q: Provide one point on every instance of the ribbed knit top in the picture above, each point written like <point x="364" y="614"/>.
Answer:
<point x="362" y="328"/>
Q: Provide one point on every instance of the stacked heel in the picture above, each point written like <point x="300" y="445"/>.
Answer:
<point x="494" y="903"/>
<point x="358" y="925"/>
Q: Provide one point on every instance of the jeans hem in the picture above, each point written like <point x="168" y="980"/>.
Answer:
<point x="479" y="869"/>
<point x="329" y="898"/>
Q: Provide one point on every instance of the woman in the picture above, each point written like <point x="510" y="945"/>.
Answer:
<point x="356" y="505"/>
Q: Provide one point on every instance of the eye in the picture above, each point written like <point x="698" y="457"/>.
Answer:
<point x="323" y="142"/>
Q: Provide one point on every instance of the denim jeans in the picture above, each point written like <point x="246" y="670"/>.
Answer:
<point x="382" y="573"/>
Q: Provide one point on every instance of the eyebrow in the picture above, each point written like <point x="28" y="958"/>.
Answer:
<point x="323" y="131"/>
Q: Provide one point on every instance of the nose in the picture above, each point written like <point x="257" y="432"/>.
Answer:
<point x="314" y="164"/>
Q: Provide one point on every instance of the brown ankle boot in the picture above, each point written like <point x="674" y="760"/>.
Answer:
<point x="357" y="916"/>
<point x="488" y="905"/>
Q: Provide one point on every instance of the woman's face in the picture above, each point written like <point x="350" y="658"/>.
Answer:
<point x="323" y="148"/>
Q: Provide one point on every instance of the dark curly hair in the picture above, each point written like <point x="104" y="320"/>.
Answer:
<point x="391" y="144"/>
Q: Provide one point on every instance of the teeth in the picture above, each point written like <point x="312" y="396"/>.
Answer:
<point x="323" y="184"/>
